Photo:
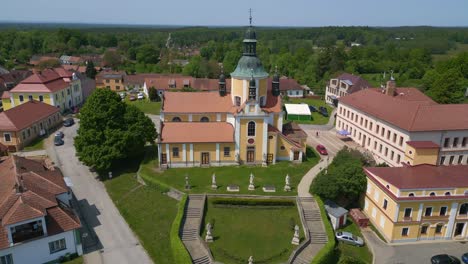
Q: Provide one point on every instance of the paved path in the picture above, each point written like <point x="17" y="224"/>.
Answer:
<point x="328" y="126"/>
<point x="410" y="253"/>
<point x="315" y="230"/>
<point x="114" y="238"/>
<point x="31" y="153"/>
<point x="190" y="234"/>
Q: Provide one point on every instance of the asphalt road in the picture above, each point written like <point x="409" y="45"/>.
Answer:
<point x="114" y="240"/>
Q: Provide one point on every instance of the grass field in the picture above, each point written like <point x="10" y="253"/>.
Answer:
<point x="200" y="178"/>
<point x="361" y="253"/>
<point x="317" y="119"/>
<point x="146" y="106"/>
<point x="37" y="144"/>
<point x="451" y="53"/>
<point x="148" y="212"/>
<point x="264" y="233"/>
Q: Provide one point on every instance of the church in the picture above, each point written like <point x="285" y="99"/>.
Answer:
<point x="240" y="126"/>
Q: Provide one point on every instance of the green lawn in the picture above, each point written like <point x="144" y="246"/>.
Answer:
<point x="78" y="260"/>
<point x="146" y="106"/>
<point x="361" y="253"/>
<point x="317" y="119"/>
<point x="200" y="178"/>
<point x="37" y="144"/>
<point x="264" y="233"/>
<point x="148" y="212"/>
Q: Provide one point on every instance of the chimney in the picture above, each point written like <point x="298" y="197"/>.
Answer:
<point x="390" y="89"/>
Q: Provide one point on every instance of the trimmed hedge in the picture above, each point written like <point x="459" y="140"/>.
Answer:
<point x="179" y="252"/>
<point x="327" y="255"/>
<point x="251" y="202"/>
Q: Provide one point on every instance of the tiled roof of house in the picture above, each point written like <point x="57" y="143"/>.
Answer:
<point x="196" y="132"/>
<point x="423" y="176"/>
<point x="357" y="83"/>
<point x="28" y="191"/>
<point x="422" y="144"/>
<point x="49" y="80"/>
<point x="410" y="110"/>
<point x="24" y="115"/>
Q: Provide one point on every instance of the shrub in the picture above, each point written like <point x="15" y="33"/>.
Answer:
<point x="350" y="260"/>
<point x="179" y="252"/>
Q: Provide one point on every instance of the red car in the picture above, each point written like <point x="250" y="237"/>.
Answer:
<point x="321" y="149"/>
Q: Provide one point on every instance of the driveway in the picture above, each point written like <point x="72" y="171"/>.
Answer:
<point x="410" y="253"/>
<point x="156" y="120"/>
<point x="106" y="227"/>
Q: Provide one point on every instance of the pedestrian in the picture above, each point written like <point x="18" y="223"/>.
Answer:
<point x="316" y="133"/>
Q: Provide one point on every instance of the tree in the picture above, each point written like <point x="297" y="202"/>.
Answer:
<point x="90" y="70"/>
<point x="112" y="59"/>
<point x="344" y="181"/>
<point x="153" y="95"/>
<point x="147" y="54"/>
<point x="110" y="131"/>
<point x="448" y="87"/>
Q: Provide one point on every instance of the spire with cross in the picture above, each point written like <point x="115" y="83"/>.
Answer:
<point x="250" y="16"/>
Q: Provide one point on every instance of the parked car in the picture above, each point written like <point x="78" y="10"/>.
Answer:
<point x="132" y="98"/>
<point x="140" y="96"/>
<point x="323" y="111"/>
<point x="347" y="237"/>
<point x="122" y="95"/>
<point x="58" y="141"/>
<point x="444" y="259"/>
<point x="464" y="258"/>
<point x="68" y="122"/>
<point x="312" y="108"/>
<point x="59" y="134"/>
<point x="321" y="149"/>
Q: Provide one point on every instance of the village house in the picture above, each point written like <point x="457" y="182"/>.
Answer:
<point x="113" y="80"/>
<point x="56" y="87"/>
<point x="38" y="223"/>
<point x="21" y="125"/>
<point x="343" y="85"/>
<point x="402" y="125"/>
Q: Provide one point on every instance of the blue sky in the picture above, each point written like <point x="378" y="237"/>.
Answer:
<point x="231" y="13"/>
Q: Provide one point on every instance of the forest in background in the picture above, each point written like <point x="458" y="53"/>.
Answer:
<point x="432" y="59"/>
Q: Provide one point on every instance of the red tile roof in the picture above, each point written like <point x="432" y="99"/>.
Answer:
<point x="423" y="176"/>
<point x="49" y="80"/>
<point x="422" y="144"/>
<point x="24" y="115"/>
<point x="358" y="83"/>
<point x="196" y="132"/>
<point x="28" y="190"/>
<point x="410" y="110"/>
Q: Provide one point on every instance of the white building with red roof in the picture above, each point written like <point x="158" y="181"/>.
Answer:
<point x="389" y="123"/>
<point x="37" y="222"/>
<point x="57" y="87"/>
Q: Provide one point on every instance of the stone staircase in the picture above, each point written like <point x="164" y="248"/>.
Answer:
<point x="190" y="232"/>
<point x="315" y="231"/>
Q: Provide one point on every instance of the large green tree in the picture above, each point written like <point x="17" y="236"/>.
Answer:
<point x="90" y="70"/>
<point x="110" y="131"/>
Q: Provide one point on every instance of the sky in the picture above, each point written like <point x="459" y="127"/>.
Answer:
<point x="302" y="13"/>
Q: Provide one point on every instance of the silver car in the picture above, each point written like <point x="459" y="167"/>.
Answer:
<point x="347" y="237"/>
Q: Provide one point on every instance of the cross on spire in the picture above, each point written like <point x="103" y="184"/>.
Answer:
<point x="250" y="16"/>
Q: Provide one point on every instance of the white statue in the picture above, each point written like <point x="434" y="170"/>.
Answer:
<point x="250" y="260"/>
<point x="213" y="182"/>
<point x="287" y="187"/>
<point x="208" y="237"/>
<point x="296" y="240"/>
<point x="251" y="182"/>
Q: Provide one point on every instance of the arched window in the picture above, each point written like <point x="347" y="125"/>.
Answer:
<point x="176" y="119"/>
<point x="204" y="119"/>
<point x="432" y="194"/>
<point x="463" y="209"/>
<point x="411" y="195"/>
<point x="388" y="186"/>
<point x="447" y="194"/>
<point x="251" y="129"/>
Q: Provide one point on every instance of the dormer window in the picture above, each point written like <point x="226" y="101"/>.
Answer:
<point x="411" y="195"/>
<point x="432" y="194"/>
<point x="447" y="194"/>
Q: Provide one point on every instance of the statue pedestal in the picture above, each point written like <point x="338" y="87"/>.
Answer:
<point x="214" y="186"/>
<point x="208" y="238"/>
<point x="287" y="188"/>
<point x="295" y="241"/>
<point x="251" y="187"/>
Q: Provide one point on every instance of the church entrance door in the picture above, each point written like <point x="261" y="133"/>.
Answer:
<point x="205" y="158"/>
<point x="250" y="154"/>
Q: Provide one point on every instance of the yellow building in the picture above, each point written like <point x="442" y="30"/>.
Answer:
<point x="23" y="124"/>
<point x="422" y="202"/>
<point x="113" y="80"/>
<point x="56" y="87"/>
<point x="244" y="126"/>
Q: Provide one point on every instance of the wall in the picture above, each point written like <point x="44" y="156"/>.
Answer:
<point x="258" y="138"/>
<point x="198" y="148"/>
<point x="421" y="156"/>
<point x="37" y="251"/>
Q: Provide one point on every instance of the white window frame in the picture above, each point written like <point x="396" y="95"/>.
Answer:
<point x="4" y="137"/>
<point x="374" y="212"/>
<point x="407" y="232"/>
<point x="411" y="213"/>
<point x="382" y="221"/>
<point x="376" y="196"/>
<point x="255" y="128"/>
<point x="7" y="259"/>
<point x="425" y="209"/>
<point x="57" y="245"/>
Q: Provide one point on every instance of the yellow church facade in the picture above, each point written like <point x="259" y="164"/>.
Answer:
<point x="241" y="126"/>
